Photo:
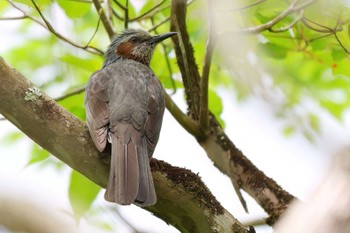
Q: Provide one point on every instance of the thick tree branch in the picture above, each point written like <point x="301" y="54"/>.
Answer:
<point x="219" y="148"/>
<point x="231" y="161"/>
<point x="67" y="138"/>
<point x="185" y="57"/>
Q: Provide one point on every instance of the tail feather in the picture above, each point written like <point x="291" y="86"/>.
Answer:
<point x="130" y="178"/>
<point x="123" y="182"/>
<point x="147" y="194"/>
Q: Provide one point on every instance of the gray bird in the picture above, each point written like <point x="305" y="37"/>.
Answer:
<point x="125" y="104"/>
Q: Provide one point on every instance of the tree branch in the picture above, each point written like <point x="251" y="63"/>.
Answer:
<point x="290" y="25"/>
<point x="69" y="94"/>
<point x="49" y="27"/>
<point x="159" y="24"/>
<point x="267" y="26"/>
<point x="67" y="138"/>
<point x="231" y="161"/>
<point x="154" y="8"/>
<point x="105" y="20"/>
<point x="126" y="14"/>
<point x="185" y="57"/>
<point x="14" y="18"/>
<point x="204" y="112"/>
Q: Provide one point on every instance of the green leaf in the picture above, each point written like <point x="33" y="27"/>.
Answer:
<point x="338" y="53"/>
<point x="11" y="137"/>
<point x="335" y="109"/>
<point x="82" y="193"/>
<point x="319" y="44"/>
<point x="74" y="9"/>
<point x="314" y="122"/>
<point x="288" y="131"/>
<point x="273" y="50"/>
<point x="342" y="67"/>
<point x="39" y="3"/>
<point x="88" y="64"/>
<point x="38" y="155"/>
<point x="75" y="104"/>
<point x="215" y="105"/>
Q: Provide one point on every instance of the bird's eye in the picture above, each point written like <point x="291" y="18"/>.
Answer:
<point x="133" y="39"/>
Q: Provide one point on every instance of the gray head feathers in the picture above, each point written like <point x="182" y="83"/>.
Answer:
<point x="134" y="44"/>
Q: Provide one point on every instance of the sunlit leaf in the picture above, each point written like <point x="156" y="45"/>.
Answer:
<point x="273" y="50"/>
<point x="39" y="3"/>
<point x="288" y="131"/>
<point x="75" y="104"/>
<point x="74" y="9"/>
<point x="82" y="193"/>
<point x="38" y="154"/>
<point x="314" y="122"/>
<point x="215" y="105"/>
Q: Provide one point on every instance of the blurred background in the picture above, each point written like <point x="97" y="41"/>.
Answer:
<point x="282" y="96"/>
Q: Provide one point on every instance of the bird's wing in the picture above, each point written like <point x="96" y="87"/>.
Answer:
<point x="96" y="105"/>
<point x="155" y="109"/>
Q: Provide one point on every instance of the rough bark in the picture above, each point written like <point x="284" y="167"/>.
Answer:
<point x="183" y="199"/>
<point x="218" y="146"/>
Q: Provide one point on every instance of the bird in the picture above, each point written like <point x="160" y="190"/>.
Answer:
<point x="124" y="103"/>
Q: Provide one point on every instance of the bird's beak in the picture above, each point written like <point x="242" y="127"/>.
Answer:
<point x="158" y="38"/>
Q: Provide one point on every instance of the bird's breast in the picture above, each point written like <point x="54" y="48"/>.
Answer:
<point x="127" y="91"/>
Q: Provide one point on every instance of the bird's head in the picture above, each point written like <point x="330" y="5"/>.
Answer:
<point x="134" y="44"/>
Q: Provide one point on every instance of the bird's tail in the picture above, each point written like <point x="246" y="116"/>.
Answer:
<point x="130" y="178"/>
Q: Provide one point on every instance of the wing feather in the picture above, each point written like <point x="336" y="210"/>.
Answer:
<point x="155" y="109"/>
<point x="96" y="105"/>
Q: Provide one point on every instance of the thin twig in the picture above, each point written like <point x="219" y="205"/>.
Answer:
<point x="120" y="5"/>
<point x="341" y="43"/>
<point x="167" y="61"/>
<point x="204" y="112"/>
<point x="159" y="24"/>
<point x="156" y="7"/>
<point x="126" y="15"/>
<point x="320" y="37"/>
<point x="245" y="7"/>
<point x="285" y="28"/>
<point x="325" y="29"/>
<point x="105" y="20"/>
<point x="109" y="12"/>
<point x="69" y="94"/>
<point x="58" y="35"/>
<point x="115" y="13"/>
<point x="82" y="1"/>
<point x="255" y="222"/>
<point x="93" y="35"/>
<point x="14" y="18"/>
<point x="267" y="26"/>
